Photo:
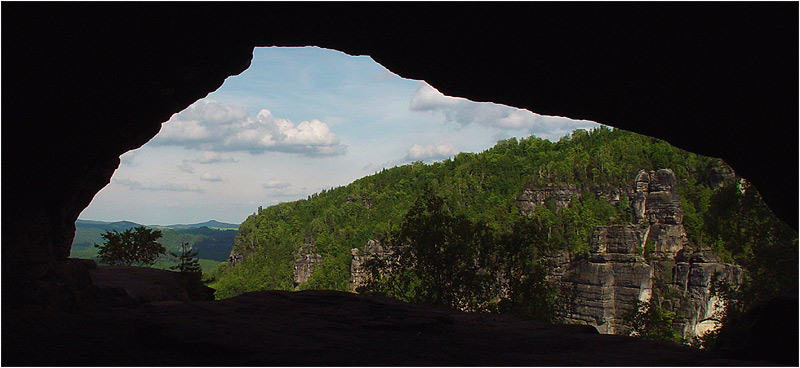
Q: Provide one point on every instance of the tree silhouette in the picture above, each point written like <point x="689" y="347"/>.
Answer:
<point x="188" y="264"/>
<point x="133" y="246"/>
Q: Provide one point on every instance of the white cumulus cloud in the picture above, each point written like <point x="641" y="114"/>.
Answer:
<point x="129" y="159"/>
<point x="185" y="166"/>
<point x="211" y="157"/>
<point x="211" y="126"/>
<point x="466" y="112"/>
<point x="431" y="152"/>
<point x="275" y="184"/>
<point x="156" y="187"/>
<point x="208" y="176"/>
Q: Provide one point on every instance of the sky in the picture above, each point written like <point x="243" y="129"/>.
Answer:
<point x="299" y="120"/>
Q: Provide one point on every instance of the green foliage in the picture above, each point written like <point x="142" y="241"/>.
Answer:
<point x="445" y="250"/>
<point x="478" y="195"/>
<point x="133" y="246"/>
<point x="190" y="270"/>
<point x="212" y="245"/>
<point x="650" y="321"/>
<point x="440" y="261"/>
<point x="742" y="228"/>
<point x="188" y="264"/>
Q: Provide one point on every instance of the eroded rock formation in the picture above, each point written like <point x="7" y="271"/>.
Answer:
<point x="307" y="260"/>
<point x="600" y="290"/>
<point x="373" y="250"/>
<point x="560" y="196"/>
<point x="626" y="260"/>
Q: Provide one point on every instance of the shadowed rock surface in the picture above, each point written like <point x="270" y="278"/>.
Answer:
<point x="319" y="328"/>
<point x="90" y="82"/>
<point x="145" y="285"/>
<point x="599" y="290"/>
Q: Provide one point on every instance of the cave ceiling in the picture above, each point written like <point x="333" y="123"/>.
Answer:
<point x="85" y="82"/>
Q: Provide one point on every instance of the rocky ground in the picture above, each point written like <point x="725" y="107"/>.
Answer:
<point x="309" y="328"/>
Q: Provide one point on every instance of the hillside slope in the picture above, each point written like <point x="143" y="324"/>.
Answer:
<point x="536" y="228"/>
<point x="482" y="187"/>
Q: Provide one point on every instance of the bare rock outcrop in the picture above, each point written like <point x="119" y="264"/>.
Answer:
<point x="373" y="250"/>
<point x="692" y="276"/>
<point x="235" y="257"/>
<point x="656" y="198"/>
<point x="535" y="197"/>
<point x="307" y="260"/>
<point x="626" y="259"/>
<point x="602" y="288"/>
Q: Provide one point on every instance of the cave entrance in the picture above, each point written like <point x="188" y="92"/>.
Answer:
<point x="299" y="120"/>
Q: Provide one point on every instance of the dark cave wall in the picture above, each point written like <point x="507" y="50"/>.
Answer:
<point x="87" y="82"/>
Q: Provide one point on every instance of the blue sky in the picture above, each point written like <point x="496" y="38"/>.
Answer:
<point x="299" y="120"/>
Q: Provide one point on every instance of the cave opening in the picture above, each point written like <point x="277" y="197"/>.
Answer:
<point x="717" y="65"/>
<point x="297" y="121"/>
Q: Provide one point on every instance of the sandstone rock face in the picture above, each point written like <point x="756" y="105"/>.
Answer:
<point x="307" y="260"/>
<point x="720" y="175"/>
<point x="535" y="197"/>
<point x="692" y="277"/>
<point x="601" y="289"/>
<point x="625" y="259"/>
<point x="235" y="258"/>
<point x="656" y="198"/>
<point x="373" y="250"/>
<point x="561" y="196"/>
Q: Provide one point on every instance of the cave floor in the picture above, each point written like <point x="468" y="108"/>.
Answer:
<point x="317" y="328"/>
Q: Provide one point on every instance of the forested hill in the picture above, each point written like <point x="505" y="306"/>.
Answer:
<point x="212" y="240"/>
<point x="481" y="187"/>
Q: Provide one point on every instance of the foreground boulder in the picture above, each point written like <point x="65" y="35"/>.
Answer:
<point x="147" y="285"/>
<point x="768" y="331"/>
<point x="317" y="328"/>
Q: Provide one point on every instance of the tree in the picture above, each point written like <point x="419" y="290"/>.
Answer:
<point x="133" y="246"/>
<point x="439" y="261"/>
<point x="188" y="264"/>
<point x="650" y="321"/>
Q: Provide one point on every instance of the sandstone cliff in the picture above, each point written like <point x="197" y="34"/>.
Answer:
<point x="373" y="250"/>
<point x="648" y="258"/>
<point x="307" y="260"/>
<point x="626" y="260"/>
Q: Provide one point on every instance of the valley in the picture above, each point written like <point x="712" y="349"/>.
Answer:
<point x="212" y="240"/>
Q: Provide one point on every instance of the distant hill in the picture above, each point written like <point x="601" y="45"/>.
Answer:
<point x="212" y="240"/>
<point x="214" y="224"/>
<point x="106" y="226"/>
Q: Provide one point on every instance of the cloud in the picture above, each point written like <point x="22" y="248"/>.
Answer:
<point x="428" y="153"/>
<point x="431" y="152"/>
<point x="207" y="176"/>
<point x="211" y="126"/>
<point x="427" y="98"/>
<point x="275" y="184"/>
<point x="185" y="166"/>
<point x="211" y="157"/>
<point x="208" y="157"/>
<point x="168" y="187"/>
<point x="466" y="112"/>
<point x="129" y="159"/>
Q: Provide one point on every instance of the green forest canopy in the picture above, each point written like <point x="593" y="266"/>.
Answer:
<point x="483" y="188"/>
